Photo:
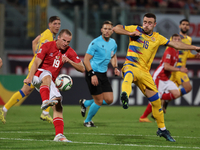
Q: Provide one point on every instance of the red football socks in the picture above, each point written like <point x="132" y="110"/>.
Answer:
<point x="168" y="96"/>
<point x="59" y="125"/>
<point x="147" y="111"/>
<point x="44" y="92"/>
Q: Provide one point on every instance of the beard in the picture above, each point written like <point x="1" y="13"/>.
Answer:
<point x="106" y="38"/>
<point x="184" y="31"/>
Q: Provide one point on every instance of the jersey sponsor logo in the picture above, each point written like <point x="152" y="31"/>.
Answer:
<point x="168" y="56"/>
<point x="77" y="57"/>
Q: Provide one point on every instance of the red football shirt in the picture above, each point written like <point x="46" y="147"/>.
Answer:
<point x="170" y="56"/>
<point x="52" y="57"/>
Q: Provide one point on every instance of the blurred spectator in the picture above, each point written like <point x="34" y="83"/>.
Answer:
<point x="190" y="4"/>
<point x="173" y="4"/>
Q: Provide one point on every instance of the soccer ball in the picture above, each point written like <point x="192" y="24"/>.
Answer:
<point x="63" y="82"/>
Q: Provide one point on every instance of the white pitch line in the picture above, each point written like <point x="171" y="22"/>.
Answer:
<point x="130" y="145"/>
<point x="187" y="137"/>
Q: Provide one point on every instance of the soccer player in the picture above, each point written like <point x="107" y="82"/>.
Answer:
<point x="143" y="45"/>
<point x="46" y="67"/>
<point x="46" y="36"/>
<point x="1" y="62"/>
<point x="100" y="52"/>
<point x="181" y="78"/>
<point x="166" y="88"/>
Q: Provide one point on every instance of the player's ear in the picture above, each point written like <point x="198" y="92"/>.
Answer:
<point x="155" y="24"/>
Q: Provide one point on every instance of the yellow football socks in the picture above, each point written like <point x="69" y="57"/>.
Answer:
<point x="127" y="83"/>
<point x="47" y="110"/>
<point x="158" y="113"/>
<point x="13" y="100"/>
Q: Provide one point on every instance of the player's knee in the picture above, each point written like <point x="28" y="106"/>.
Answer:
<point x="156" y="104"/>
<point x="58" y="107"/>
<point x="188" y="89"/>
<point x="109" y="101"/>
<point x="176" y="94"/>
<point x="26" y="89"/>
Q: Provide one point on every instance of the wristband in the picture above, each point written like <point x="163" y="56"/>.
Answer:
<point x="91" y="73"/>
<point x="115" y="67"/>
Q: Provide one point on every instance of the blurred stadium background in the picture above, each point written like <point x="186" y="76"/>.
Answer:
<point x="22" y="20"/>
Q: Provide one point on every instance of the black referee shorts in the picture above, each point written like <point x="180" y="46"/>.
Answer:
<point x="103" y="86"/>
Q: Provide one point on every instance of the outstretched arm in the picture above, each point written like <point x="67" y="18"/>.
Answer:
<point x="78" y="66"/>
<point x="168" y="67"/>
<point x="183" y="46"/>
<point x="120" y="30"/>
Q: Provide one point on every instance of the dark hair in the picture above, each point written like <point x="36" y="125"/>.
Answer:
<point x="184" y="20"/>
<point x="53" y="18"/>
<point x="175" y="35"/>
<point x="150" y="15"/>
<point x="107" y="22"/>
<point x="65" y="31"/>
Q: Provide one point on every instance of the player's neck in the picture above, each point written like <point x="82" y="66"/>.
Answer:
<point x="183" y="34"/>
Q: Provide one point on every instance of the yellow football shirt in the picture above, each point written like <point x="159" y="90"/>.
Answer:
<point x="142" y="49"/>
<point x="184" y="54"/>
<point x="46" y="36"/>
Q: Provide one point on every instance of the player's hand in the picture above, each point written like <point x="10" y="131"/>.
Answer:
<point x="94" y="80"/>
<point x="197" y="55"/>
<point x="183" y="69"/>
<point x="135" y="33"/>
<point x="116" y="72"/>
<point x="197" y="49"/>
<point x="27" y="81"/>
<point x="65" y="59"/>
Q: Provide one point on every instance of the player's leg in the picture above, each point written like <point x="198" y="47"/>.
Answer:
<point x="171" y="93"/>
<point x="42" y="81"/>
<point x="187" y="87"/>
<point x="144" y="116"/>
<point x="149" y="88"/>
<point x="44" y="92"/>
<point x="16" y="97"/>
<point x="126" y="85"/>
<point x="86" y="103"/>
<point x="98" y="99"/>
<point x="58" y="122"/>
<point x="158" y="114"/>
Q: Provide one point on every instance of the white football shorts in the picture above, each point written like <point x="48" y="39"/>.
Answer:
<point x="37" y="80"/>
<point x="166" y="86"/>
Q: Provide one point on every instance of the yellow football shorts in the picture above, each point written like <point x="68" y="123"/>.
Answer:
<point x="179" y="77"/>
<point x="142" y="79"/>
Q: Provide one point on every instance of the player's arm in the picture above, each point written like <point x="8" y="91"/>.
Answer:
<point x="34" y="68"/>
<point x="1" y="62"/>
<point x="168" y="67"/>
<point x="115" y="65"/>
<point x="86" y="61"/>
<point x="34" y="43"/>
<point x="119" y="29"/>
<point x="78" y="66"/>
<point x="183" y="46"/>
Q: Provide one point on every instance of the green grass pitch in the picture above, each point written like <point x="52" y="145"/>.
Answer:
<point x="118" y="129"/>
